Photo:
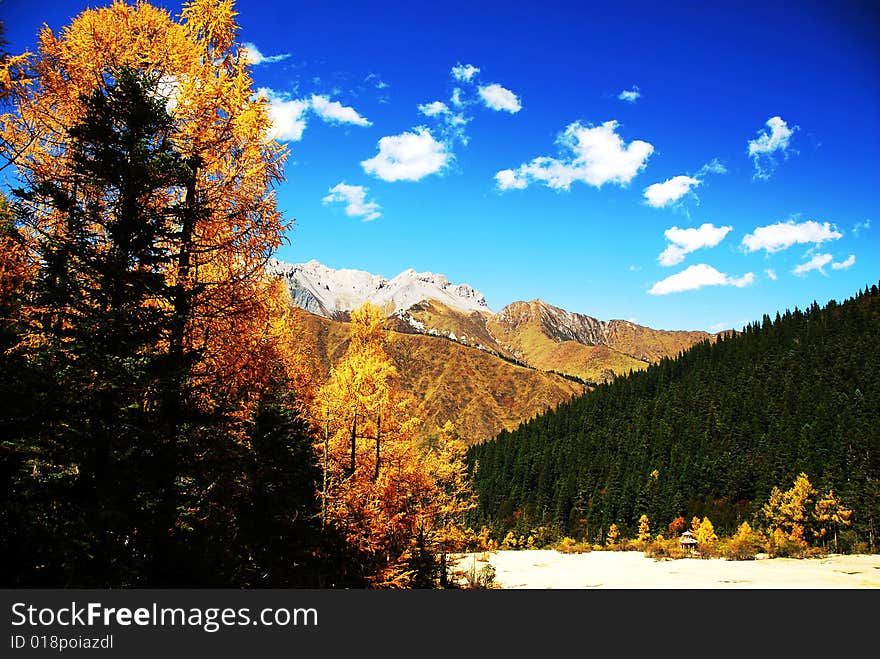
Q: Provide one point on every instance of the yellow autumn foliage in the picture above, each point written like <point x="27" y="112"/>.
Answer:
<point x="392" y="498"/>
<point x="234" y="314"/>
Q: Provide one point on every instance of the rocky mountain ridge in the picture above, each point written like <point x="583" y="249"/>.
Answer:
<point x="533" y="333"/>
<point x="333" y="293"/>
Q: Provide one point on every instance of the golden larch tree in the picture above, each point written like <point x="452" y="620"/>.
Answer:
<point x="388" y="497"/>
<point x="789" y="511"/>
<point x="705" y="534"/>
<point x="441" y="505"/>
<point x="743" y="532"/>
<point x="830" y="514"/>
<point x="613" y="535"/>
<point x="227" y="221"/>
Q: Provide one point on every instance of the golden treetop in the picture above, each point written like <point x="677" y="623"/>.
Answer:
<point x="196" y="66"/>
<point x="212" y="23"/>
<point x="220" y="127"/>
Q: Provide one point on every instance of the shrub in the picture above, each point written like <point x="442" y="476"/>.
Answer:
<point x="626" y="544"/>
<point x="664" y="549"/>
<point x="850" y="543"/>
<point x="486" y="577"/>
<point x="478" y="579"/>
<point x="745" y="545"/>
<point x="739" y="549"/>
<point x="571" y="546"/>
<point x="782" y="546"/>
<point x="613" y="536"/>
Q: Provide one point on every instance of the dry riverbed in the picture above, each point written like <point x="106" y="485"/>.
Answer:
<point x="543" y="568"/>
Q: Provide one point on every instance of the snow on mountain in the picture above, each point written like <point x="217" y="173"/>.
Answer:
<point x="330" y="293"/>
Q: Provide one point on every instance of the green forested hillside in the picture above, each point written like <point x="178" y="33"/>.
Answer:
<point x="708" y="433"/>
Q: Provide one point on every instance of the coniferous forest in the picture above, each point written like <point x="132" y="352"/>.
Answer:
<point x="708" y="434"/>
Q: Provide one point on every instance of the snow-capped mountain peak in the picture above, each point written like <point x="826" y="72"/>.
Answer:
<point x="332" y="293"/>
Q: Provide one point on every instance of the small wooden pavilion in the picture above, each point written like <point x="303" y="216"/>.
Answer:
<point x="688" y="543"/>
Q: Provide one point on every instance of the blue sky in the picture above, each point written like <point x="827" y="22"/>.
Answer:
<point x="690" y="166"/>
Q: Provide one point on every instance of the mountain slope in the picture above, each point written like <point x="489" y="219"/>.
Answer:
<point x="709" y="433"/>
<point x="647" y="344"/>
<point x="553" y="339"/>
<point x="480" y="393"/>
<point x="556" y="340"/>
<point x="533" y="333"/>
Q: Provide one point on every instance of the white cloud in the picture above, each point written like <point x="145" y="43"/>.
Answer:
<point x="453" y="117"/>
<point x="634" y="268"/>
<point x="355" y="199"/>
<point x="845" y="265"/>
<point x="507" y="179"/>
<point x="698" y="276"/>
<point x="409" y="156"/>
<point x="762" y="148"/>
<point x="376" y="81"/>
<point x="671" y="190"/>
<point x="771" y="274"/>
<point x="597" y="156"/>
<point x="288" y="116"/>
<point x="453" y="128"/>
<point x="254" y="56"/>
<point x="685" y="241"/>
<point x="433" y="109"/>
<point x="335" y="112"/>
<point x="861" y="226"/>
<point x="630" y="95"/>
<point x="464" y="72"/>
<point x="672" y="255"/>
<point x="712" y="167"/>
<point x="776" y="140"/>
<point x="497" y="97"/>
<point x="818" y="262"/>
<point x="782" y="235"/>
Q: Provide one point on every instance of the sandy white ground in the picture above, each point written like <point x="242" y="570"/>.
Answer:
<point x="539" y="569"/>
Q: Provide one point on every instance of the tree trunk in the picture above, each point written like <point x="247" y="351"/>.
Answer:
<point x="378" y="435"/>
<point x="354" y="424"/>
<point x="324" y="488"/>
<point x="173" y="394"/>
